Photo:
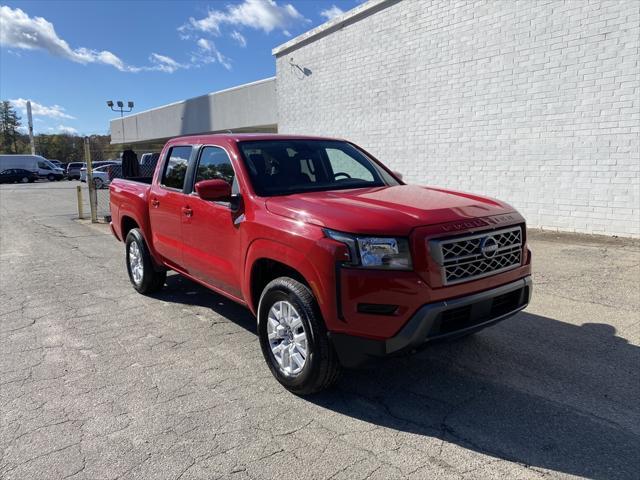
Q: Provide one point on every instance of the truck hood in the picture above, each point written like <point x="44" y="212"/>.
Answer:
<point x="384" y="210"/>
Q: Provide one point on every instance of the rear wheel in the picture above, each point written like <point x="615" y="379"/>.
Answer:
<point x="144" y="277"/>
<point x="294" y="339"/>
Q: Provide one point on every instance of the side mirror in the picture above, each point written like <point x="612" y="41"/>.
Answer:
<point x="235" y="203"/>
<point x="213" y="190"/>
<point x="397" y="174"/>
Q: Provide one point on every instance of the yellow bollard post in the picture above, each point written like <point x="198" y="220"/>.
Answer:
<point x="80" y="206"/>
<point x="93" y="197"/>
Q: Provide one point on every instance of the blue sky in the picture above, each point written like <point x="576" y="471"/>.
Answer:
<point x="70" y="57"/>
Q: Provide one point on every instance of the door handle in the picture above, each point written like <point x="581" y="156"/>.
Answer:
<point x="187" y="211"/>
<point x="155" y="203"/>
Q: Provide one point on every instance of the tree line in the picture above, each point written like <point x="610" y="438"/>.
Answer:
<point x="60" y="146"/>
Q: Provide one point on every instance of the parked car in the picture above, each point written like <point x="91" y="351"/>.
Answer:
<point x="34" y="163"/>
<point x="148" y="162"/>
<point x="149" y="159"/>
<point x="73" y="170"/>
<point x="101" y="176"/>
<point x="339" y="260"/>
<point x="17" y="175"/>
<point x="61" y="166"/>
<point x="83" y="170"/>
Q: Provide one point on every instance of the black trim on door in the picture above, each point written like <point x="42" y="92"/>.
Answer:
<point x="187" y="188"/>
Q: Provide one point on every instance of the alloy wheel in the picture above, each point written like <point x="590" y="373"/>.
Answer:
<point x="287" y="338"/>
<point x="136" y="265"/>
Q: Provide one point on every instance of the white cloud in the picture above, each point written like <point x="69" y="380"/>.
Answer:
<point x="238" y="37"/>
<point x="208" y="53"/>
<point x="63" y="129"/>
<point x="222" y="60"/>
<point x="331" y="12"/>
<point x="265" y="15"/>
<point x="38" y="110"/>
<point x="205" y="44"/>
<point x="164" y="63"/>
<point x="20" y="31"/>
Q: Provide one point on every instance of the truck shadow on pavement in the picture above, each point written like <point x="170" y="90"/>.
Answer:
<point x="179" y="289"/>
<point x="532" y="390"/>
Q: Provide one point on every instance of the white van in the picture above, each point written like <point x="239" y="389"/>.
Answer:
<point x="34" y="163"/>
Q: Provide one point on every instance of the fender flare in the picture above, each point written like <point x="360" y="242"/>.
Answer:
<point x="262" y="248"/>
<point x="145" y="229"/>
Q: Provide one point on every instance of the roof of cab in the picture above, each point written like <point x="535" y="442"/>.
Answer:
<point x="239" y="137"/>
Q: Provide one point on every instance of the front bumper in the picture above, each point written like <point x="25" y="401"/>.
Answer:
<point x="439" y="320"/>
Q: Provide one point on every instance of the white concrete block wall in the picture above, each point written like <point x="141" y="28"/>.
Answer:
<point x="533" y="102"/>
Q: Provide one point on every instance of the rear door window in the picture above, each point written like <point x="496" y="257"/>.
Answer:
<point x="175" y="169"/>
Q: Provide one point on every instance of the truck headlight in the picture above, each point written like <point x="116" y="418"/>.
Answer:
<point x="375" y="252"/>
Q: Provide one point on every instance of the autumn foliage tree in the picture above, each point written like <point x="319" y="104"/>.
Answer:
<point x="59" y="146"/>
<point x="9" y="125"/>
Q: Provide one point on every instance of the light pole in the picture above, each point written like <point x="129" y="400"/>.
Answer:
<point x="30" y="120"/>
<point x="120" y="108"/>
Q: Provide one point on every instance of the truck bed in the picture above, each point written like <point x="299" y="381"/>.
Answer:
<point x="129" y="197"/>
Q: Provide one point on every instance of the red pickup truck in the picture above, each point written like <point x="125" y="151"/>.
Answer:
<point x="339" y="260"/>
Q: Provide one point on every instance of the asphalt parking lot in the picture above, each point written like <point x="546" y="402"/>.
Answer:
<point x="98" y="382"/>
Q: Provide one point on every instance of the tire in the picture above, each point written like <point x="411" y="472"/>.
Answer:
<point x="51" y="177"/>
<point x="98" y="182"/>
<point x="148" y="280"/>
<point x="24" y="180"/>
<point x="321" y="368"/>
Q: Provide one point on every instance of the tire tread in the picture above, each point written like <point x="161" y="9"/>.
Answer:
<point x="152" y="280"/>
<point x="328" y="365"/>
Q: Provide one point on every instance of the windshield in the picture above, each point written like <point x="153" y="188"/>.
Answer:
<point x="280" y="167"/>
<point x="51" y="165"/>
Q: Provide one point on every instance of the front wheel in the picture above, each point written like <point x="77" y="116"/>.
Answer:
<point x="294" y="339"/>
<point x="51" y="177"/>
<point x="98" y="182"/>
<point x="144" y="277"/>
